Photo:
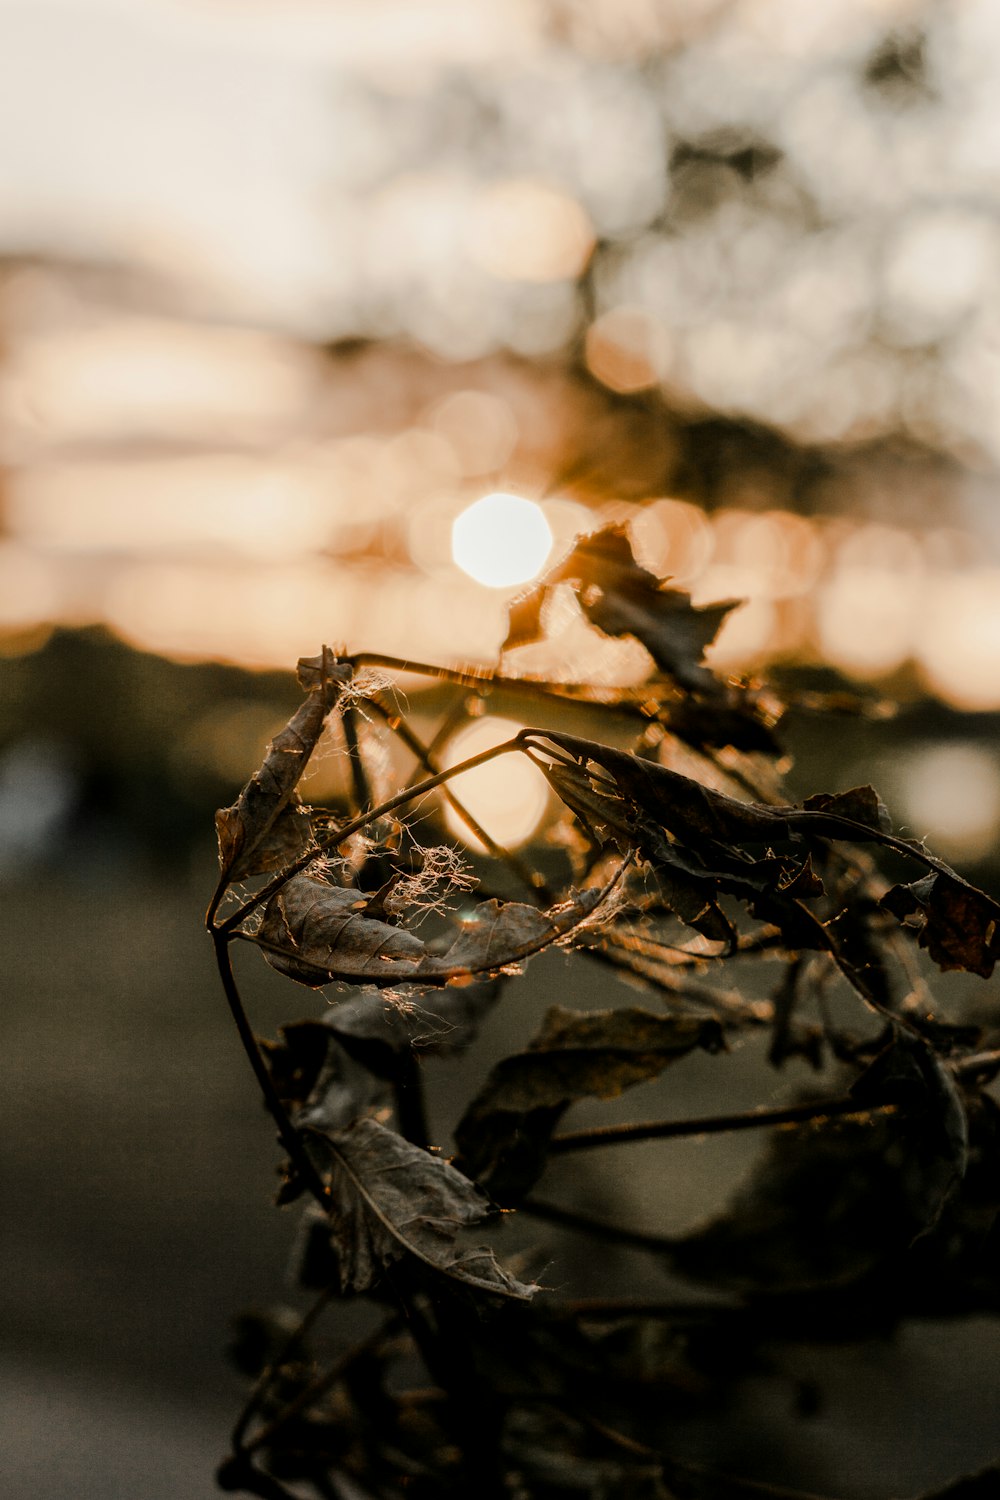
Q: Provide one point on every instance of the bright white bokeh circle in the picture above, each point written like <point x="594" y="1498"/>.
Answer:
<point x="501" y="540"/>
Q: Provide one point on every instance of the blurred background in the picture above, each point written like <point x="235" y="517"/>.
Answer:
<point x="287" y="288"/>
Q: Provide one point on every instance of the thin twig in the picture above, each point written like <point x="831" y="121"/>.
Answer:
<point x="977" y="1062"/>
<point x="425" y="756"/>
<point x="318" y="1387"/>
<point x="751" y="1119"/>
<point x="267" y="1375"/>
<point x="289" y="1136"/>
<point x="332" y="840"/>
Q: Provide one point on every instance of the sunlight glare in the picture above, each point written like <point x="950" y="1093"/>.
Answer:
<point x="501" y="540"/>
<point x="507" y="796"/>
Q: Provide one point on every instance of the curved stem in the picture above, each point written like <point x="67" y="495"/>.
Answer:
<point x="528" y="877"/>
<point x="321" y="1384"/>
<point x="356" y="824"/>
<point x="287" y="1133"/>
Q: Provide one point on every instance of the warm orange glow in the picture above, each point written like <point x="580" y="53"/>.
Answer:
<point x="627" y="349"/>
<point x="237" y="504"/>
<point x="958" y="644"/>
<point x="525" y="231"/>
<point x="152" y="378"/>
<point x="508" y="796"/>
<point x="865" y="619"/>
<point x="674" y="539"/>
<point x="480" y="428"/>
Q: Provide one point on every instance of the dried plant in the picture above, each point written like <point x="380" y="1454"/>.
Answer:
<point x="876" y="1200"/>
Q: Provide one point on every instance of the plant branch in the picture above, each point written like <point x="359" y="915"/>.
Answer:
<point x="266" y="1375"/>
<point x="332" y="840"/>
<point x="424" y="754"/>
<point x="752" y="1119"/>
<point x="318" y="1387"/>
<point x="287" y="1133"/>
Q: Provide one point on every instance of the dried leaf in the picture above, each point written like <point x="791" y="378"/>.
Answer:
<point x="690" y="811"/>
<point x="834" y="1202"/>
<point x="704" y="858"/>
<point x="323" y="1083"/>
<point x="264" y="824"/>
<point x="315" y="933"/>
<point x="862" y="804"/>
<point x="504" y="1134"/>
<point x="621" y="598"/>
<point x="318" y="933"/>
<point x="958" y="924"/>
<point x="909" y="1072"/>
<point x="377" y="1031"/>
<point x="392" y="1199"/>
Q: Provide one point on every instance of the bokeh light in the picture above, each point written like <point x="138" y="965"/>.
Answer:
<point x="502" y="540"/>
<point x="950" y="795"/>
<point x="507" y="796"/>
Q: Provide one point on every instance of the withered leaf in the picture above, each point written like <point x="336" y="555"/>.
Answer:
<point x="698" y="864"/>
<point x="392" y="1199"/>
<point x="834" y="1202"/>
<point x="908" y="1072"/>
<point x="503" y="1136"/>
<point x="321" y="1081"/>
<point x="253" y="834"/>
<point x="377" y="1030"/>
<point x="692" y="812"/>
<point x="318" y="933"/>
<point x="958" y="924"/>
<point x="862" y="804"/>
<point x="304" y="934"/>
<point x="622" y="598"/>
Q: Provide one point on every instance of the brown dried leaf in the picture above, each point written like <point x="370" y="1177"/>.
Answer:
<point x="832" y="1203"/>
<point x="318" y="933"/>
<point x="250" y="840"/>
<point x="392" y="1199"/>
<point x="504" y="1134"/>
<point x="862" y="804"/>
<point x="958" y="924"/>
<point x="909" y="1072"/>
<point x="690" y="811"/>
<point x="621" y="598"/>
<point x="377" y="1031"/>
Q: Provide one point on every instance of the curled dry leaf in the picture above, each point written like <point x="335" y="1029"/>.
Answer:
<point x="909" y="1072"/>
<point x="957" y="924"/>
<point x="318" y="933"/>
<point x="377" y="1030"/>
<point x="698" y="814"/>
<point x="266" y="827"/>
<point x="843" y="1199"/>
<point x="391" y="1199"/>
<point x="622" y="598"/>
<point x="503" y="1136"/>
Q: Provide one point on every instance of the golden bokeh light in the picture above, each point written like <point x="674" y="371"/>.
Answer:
<point x="950" y="795"/>
<point x="525" y="231"/>
<point x="501" y="540"/>
<point x="507" y="796"/>
<point x="627" y="349"/>
<point x="958" y="639"/>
